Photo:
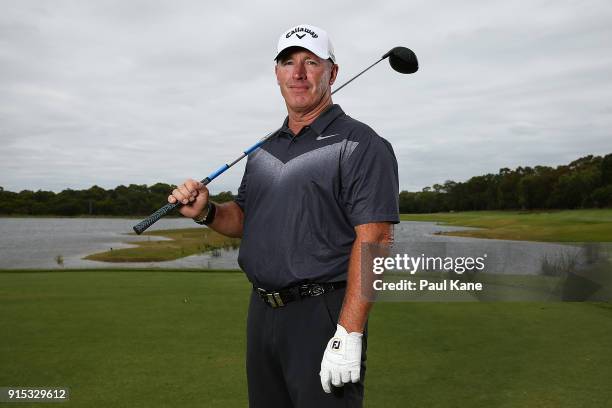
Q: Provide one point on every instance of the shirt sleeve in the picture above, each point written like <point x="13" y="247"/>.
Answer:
<point x="370" y="182"/>
<point x="240" y="199"/>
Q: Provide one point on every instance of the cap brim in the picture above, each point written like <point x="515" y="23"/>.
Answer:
<point x="317" y="53"/>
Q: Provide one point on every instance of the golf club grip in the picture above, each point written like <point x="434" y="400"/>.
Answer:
<point x="153" y="218"/>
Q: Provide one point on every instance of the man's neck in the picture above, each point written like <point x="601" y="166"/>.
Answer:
<point x="297" y="120"/>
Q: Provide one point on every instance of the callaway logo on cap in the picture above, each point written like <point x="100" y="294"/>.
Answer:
<point x="312" y="38"/>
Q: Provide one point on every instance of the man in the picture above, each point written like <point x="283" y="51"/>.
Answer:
<point x="310" y="196"/>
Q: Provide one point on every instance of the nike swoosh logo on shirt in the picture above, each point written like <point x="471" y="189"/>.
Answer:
<point x="325" y="137"/>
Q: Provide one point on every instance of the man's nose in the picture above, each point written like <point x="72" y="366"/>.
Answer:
<point x="299" y="71"/>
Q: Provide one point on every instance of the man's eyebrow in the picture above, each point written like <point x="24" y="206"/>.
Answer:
<point x="284" y="58"/>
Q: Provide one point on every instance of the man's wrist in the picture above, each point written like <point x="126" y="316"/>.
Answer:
<point x="207" y="216"/>
<point x="201" y="216"/>
<point x="349" y="330"/>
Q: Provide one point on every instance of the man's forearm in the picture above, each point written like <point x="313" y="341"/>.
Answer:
<point x="228" y="219"/>
<point x="356" y="307"/>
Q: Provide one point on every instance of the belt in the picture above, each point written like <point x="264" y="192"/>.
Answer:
<point x="281" y="297"/>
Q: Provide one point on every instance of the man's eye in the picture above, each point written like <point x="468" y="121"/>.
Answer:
<point x="311" y="62"/>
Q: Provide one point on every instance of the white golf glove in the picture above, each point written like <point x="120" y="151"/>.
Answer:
<point x="342" y="359"/>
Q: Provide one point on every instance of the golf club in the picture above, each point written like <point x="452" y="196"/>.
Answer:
<point x="401" y="59"/>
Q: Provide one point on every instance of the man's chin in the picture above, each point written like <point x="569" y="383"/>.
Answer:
<point x="300" y="105"/>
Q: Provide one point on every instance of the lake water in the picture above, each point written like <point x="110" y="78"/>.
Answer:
<point x="37" y="242"/>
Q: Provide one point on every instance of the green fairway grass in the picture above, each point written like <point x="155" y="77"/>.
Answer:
<point x="177" y="339"/>
<point x="180" y="243"/>
<point x="593" y="225"/>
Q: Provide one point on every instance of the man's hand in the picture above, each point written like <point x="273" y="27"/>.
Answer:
<point x="342" y="359"/>
<point x="193" y="195"/>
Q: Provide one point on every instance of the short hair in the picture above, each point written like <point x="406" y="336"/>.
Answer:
<point x="284" y="53"/>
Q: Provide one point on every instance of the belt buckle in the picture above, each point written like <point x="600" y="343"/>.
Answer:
<point x="273" y="299"/>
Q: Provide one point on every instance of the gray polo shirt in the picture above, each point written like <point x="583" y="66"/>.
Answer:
<point x="302" y="196"/>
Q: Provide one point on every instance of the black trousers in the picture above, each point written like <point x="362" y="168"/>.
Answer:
<point x="285" y="346"/>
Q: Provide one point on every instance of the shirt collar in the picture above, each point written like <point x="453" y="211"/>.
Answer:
<point x="320" y="123"/>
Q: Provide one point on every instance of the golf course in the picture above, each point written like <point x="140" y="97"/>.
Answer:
<point x="589" y="225"/>
<point x="176" y="338"/>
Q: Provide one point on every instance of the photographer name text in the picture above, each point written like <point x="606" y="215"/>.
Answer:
<point x="426" y="285"/>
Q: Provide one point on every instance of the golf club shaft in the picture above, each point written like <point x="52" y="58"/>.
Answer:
<point x="356" y="76"/>
<point x="153" y="218"/>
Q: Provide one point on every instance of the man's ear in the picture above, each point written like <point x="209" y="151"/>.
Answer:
<point x="276" y="73"/>
<point x="334" y="74"/>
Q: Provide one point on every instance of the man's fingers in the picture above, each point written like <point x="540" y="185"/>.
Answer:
<point x="179" y="195"/>
<point x="187" y="194"/>
<point x="193" y="185"/>
<point x="355" y="374"/>
<point x="345" y="376"/>
<point x="335" y="378"/>
<point x="325" y="381"/>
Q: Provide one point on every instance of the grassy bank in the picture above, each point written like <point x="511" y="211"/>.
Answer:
<point x="179" y="243"/>
<point x="170" y="338"/>
<point x="556" y="226"/>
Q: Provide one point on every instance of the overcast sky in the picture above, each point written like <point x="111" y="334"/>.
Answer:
<point x="121" y="92"/>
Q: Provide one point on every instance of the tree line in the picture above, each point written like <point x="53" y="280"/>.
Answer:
<point x="135" y="199"/>
<point x="584" y="183"/>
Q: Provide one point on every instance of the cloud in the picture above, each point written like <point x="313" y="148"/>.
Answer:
<point x="115" y="93"/>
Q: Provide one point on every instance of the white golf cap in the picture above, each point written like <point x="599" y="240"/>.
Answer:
<point x="312" y="38"/>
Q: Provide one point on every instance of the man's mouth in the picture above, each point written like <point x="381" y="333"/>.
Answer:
<point x="298" y="88"/>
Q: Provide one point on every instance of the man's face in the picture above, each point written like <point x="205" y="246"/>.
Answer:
<point x="304" y="78"/>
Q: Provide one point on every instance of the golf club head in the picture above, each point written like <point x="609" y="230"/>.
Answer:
<point x="402" y="60"/>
